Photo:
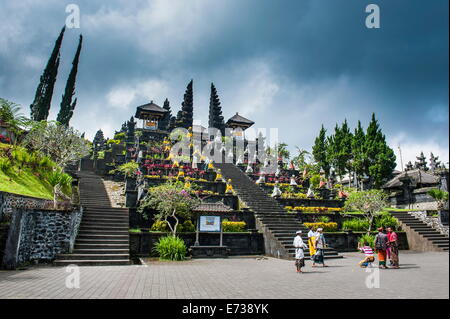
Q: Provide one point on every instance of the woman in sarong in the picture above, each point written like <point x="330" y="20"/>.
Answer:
<point x="319" y="245"/>
<point x="393" y="247"/>
<point x="381" y="246"/>
<point x="311" y="242"/>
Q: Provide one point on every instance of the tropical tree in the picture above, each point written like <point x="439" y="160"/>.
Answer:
<point x="61" y="143"/>
<point x="440" y="196"/>
<point x="303" y="159"/>
<point x="61" y="183"/>
<point x="11" y="116"/>
<point x="369" y="202"/>
<point x="171" y="201"/>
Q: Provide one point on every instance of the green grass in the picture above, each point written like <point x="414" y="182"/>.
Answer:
<point x="24" y="181"/>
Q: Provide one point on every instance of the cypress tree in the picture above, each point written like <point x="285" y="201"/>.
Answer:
<point x="40" y="107"/>
<point x="187" y="107"/>
<point x="216" y="119"/>
<point x="358" y="151"/>
<point x="319" y="151"/>
<point x="67" y="107"/>
<point x="172" y="123"/>
<point x="380" y="158"/>
<point x="165" y="121"/>
<point x="339" y="152"/>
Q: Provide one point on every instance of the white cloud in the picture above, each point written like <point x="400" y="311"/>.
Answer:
<point x="164" y="28"/>
<point x="410" y="149"/>
<point x="127" y="96"/>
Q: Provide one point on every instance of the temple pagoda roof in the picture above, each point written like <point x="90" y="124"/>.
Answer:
<point x="238" y="120"/>
<point x="149" y="110"/>
<point x="212" y="207"/>
<point x="417" y="176"/>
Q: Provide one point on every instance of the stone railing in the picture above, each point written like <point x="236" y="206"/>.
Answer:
<point x="431" y="221"/>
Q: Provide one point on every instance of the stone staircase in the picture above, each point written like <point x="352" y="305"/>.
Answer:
<point x="279" y="227"/>
<point x="103" y="237"/>
<point x="421" y="236"/>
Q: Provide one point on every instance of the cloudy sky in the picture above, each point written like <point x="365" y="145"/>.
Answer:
<point x="291" y="65"/>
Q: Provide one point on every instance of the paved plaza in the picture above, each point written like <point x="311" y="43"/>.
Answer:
<point x="423" y="275"/>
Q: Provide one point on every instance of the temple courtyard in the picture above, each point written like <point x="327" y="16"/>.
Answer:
<point x="422" y="275"/>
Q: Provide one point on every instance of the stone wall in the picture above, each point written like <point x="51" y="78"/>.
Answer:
<point x="9" y="201"/>
<point x="39" y="235"/>
<point x="142" y="244"/>
<point x="138" y="221"/>
<point x="419" y="199"/>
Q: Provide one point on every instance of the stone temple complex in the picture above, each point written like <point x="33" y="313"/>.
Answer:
<point x="259" y="209"/>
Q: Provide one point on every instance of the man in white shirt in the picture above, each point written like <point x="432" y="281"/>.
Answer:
<point x="299" y="254"/>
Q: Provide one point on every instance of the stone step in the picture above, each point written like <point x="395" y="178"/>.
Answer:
<point x="102" y="241"/>
<point x="439" y="235"/>
<point x="101" y="246"/>
<point x="92" y="256"/>
<point x="107" y="209"/>
<point x="97" y="236"/>
<point x="88" y="232"/>
<point x="105" y="215"/>
<point x="104" y="221"/>
<point x="98" y="226"/>
<point x="92" y="262"/>
<point x="101" y="251"/>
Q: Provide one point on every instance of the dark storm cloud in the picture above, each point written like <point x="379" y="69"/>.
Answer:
<point x="288" y="64"/>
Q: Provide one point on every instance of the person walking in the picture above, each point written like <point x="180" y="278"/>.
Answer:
<point x="311" y="242"/>
<point x="393" y="248"/>
<point x="319" y="245"/>
<point x="381" y="246"/>
<point x="299" y="251"/>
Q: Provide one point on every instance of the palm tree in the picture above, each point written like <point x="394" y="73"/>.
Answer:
<point x="440" y="196"/>
<point x="11" y="116"/>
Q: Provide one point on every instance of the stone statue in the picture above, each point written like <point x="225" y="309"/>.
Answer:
<point x="261" y="179"/>
<point x="310" y="193"/>
<point x="249" y="169"/>
<point x="276" y="190"/>
<point x="434" y="163"/>
<point x="409" y="166"/>
<point x="131" y="125"/>
<point x="293" y="182"/>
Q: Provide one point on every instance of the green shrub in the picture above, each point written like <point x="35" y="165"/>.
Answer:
<point x="233" y="227"/>
<point x="160" y="225"/>
<point x="367" y="238"/>
<point x="171" y="248"/>
<point x="323" y="219"/>
<point x="188" y="227"/>
<point x="134" y="230"/>
<point x="327" y="227"/>
<point x="355" y="224"/>
<point x="5" y="165"/>
<point x="386" y="220"/>
<point x="119" y="136"/>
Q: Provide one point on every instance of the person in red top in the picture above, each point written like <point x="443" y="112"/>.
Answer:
<point x="393" y="247"/>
